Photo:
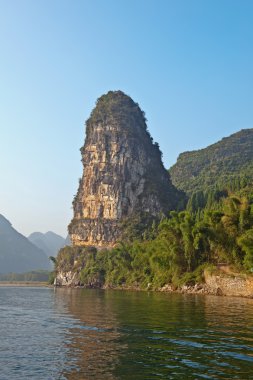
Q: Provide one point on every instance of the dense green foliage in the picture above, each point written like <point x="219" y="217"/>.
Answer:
<point x="215" y="227"/>
<point x="176" y="250"/>
<point x="115" y="106"/>
<point x="227" y="164"/>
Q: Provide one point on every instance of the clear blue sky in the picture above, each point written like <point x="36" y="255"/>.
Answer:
<point x="189" y="64"/>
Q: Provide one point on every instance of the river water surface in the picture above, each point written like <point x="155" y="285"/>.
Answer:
<point x="79" y="334"/>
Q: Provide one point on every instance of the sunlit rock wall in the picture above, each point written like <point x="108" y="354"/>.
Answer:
<point x="123" y="173"/>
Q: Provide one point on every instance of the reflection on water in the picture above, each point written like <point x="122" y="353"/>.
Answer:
<point x="149" y="336"/>
<point x="95" y="341"/>
<point x="79" y="334"/>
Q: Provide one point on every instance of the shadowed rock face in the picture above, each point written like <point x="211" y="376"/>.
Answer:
<point x="123" y="174"/>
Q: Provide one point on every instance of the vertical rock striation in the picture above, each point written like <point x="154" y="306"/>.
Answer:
<point x="123" y="174"/>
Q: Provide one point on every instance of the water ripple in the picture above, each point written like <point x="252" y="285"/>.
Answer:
<point x="87" y="334"/>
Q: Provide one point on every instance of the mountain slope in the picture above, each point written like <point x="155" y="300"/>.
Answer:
<point x="49" y="242"/>
<point x="17" y="253"/>
<point x="225" y="164"/>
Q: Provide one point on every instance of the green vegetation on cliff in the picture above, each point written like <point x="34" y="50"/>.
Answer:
<point x="228" y="164"/>
<point x="216" y="225"/>
<point x="175" y="251"/>
<point x="115" y="106"/>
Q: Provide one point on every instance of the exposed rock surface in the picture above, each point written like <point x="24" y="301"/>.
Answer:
<point x="69" y="278"/>
<point x="219" y="284"/>
<point x="123" y="174"/>
<point x="230" y="285"/>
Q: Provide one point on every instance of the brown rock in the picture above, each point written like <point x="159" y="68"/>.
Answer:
<point x="123" y="175"/>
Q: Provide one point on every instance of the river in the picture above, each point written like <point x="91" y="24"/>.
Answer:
<point x="80" y="334"/>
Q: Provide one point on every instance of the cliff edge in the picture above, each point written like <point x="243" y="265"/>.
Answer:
<point x="123" y="174"/>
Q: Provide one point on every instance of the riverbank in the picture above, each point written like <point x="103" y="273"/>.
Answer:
<point x="219" y="287"/>
<point x="24" y="283"/>
<point x="223" y="282"/>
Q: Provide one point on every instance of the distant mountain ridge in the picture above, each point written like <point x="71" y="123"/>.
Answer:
<point x="17" y="253"/>
<point x="49" y="242"/>
<point x="227" y="163"/>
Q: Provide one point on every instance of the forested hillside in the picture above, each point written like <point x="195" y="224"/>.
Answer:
<point x="177" y="250"/>
<point x="228" y="164"/>
<point x="215" y="227"/>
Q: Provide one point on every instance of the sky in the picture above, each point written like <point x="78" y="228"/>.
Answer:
<point x="188" y="63"/>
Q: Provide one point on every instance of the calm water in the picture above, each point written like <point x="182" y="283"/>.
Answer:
<point x="89" y="334"/>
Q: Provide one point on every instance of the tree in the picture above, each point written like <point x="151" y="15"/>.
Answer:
<point x="246" y="243"/>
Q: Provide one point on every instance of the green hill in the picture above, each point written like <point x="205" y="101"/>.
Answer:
<point x="215" y="227"/>
<point x="227" y="164"/>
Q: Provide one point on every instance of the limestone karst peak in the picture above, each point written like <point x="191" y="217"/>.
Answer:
<point x="117" y="107"/>
<point x="123" y="175"/>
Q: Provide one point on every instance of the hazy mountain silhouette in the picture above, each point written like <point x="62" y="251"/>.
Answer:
<point x="17" y="253"/>
<point x="49" y="242"/>
<point x="68" y="241"/>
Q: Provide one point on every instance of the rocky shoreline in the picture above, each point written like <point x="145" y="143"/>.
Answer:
<point x="219" y="284"/>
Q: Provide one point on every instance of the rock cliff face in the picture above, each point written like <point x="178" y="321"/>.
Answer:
<point x="237" y="285"/>
<point x="123" y="174"/>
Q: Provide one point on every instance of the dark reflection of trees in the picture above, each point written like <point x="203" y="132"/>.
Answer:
<point x="229" y="312"/>
<point x="152" y="323"/>
<point x="229" y="335"/>
<point x="123" y="346"/>
<point x="93" y="343"/>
